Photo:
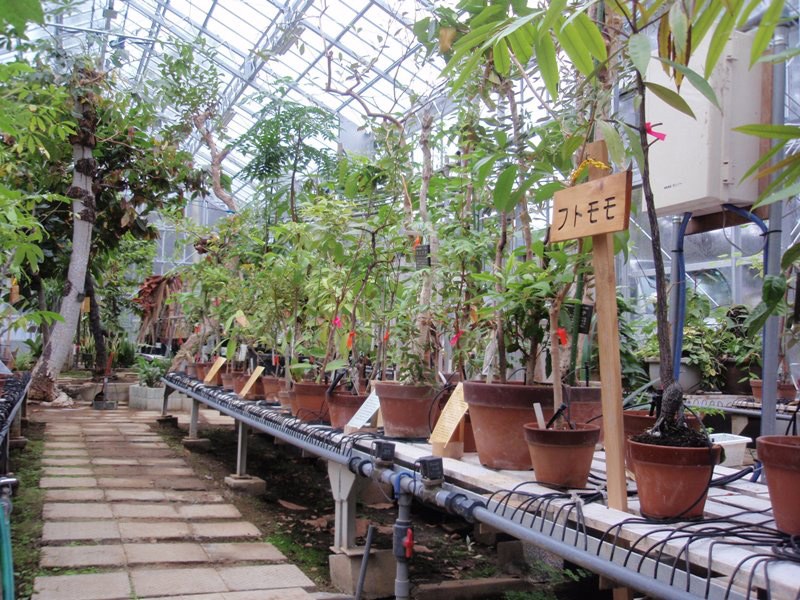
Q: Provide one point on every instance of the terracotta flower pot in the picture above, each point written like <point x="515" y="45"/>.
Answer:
<point x="585" y="406"/>
<point x="637" y="421"/>
<point x="498" y="413"/>
<point x="562" y="457"/>
<point x="786" y="391"/>
<point x="228" y="379"/>
<point x="191" y="370"/>
<point x="270" y="386"/>
<point x="309" y="402"/>
<point x="343" y="405"/>
<point x="238" y="383"/>
<point x="781" y="457"/>
<point x="285" y="397"/>
<point x="405" y="409"/>
<point x="200" y="370"/>
<point x="672" y="481"/>
<point x="469" y="435"/>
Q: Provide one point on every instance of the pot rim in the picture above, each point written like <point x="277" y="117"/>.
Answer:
<point x="780" y="441"/>
<point x="584" y="434"/>
<point x="681" y="455"/>
<point x="518" y="397"/>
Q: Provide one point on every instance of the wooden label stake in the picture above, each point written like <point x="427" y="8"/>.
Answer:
<point x="364" y="414"/>
<point x="212" y="372"/>
<point x="447" y="438"/>
<point x="250" y="382"/>
<point x="598" y="209"/>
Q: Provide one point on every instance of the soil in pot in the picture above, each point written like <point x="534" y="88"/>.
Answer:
<point x="562" y="457"/>
<point x="635" y="422"/>
<point x="498" y="413"/>
<point x="672" y="481"/>
<point x="786" y="391"/>
<point x="343" y="405"/>
<point x="405" y="409"/>
<point x="309" y="401"/>
<point x="781" y="457"/>
<point x="270" y="386"/>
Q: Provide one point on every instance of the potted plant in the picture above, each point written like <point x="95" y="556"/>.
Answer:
<point x="148" y="394"/>
<point x="781" y="457"/>
<point x="741" y="354"/>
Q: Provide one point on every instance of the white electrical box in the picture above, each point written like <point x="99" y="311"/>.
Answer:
<point x="700" y="164"/>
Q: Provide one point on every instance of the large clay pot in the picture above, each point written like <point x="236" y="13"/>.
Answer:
<point x="781" y="457"/>
<point x="309" y="402"/>
<point x="638" y="421"/>
<point x="562" y="457"/>
<point x="498" y="413"/>
<point x="405" y="409"/>
<point x="585" y="406"/>
<point x="205" y="368"/>
<point x="786" y="391"/>
<point x="285" y="398"/>
<point x="200" y="370"/>
<point x="672" y="481"/>
<point x="343" y="405"/>
<point x="270" y="386"/>
<point x="190" y="370"/>
<point x="228" y="379"/>
<point x="238" y="383"/>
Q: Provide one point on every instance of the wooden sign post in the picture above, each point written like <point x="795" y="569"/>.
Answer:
<point x="250" y="382"/>
<point x="212" y="372"/>
<point x="598" y="209"/>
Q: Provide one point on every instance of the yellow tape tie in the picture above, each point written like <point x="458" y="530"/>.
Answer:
<point x="589" y="162"/>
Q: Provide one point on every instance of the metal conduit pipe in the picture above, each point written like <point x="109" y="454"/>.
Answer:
<point x="458" y="502"/>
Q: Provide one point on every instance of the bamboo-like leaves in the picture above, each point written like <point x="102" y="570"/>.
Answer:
<point x="765" y="30"/>
<point x="671" y="97"/>
<point x="616" y="149"/>
<point x="548" y="66"/>
<point x="697" y="81"/>
<point x="572" y="43"/>
<point x="639" y="51"/>
<point x="502" y="189"/>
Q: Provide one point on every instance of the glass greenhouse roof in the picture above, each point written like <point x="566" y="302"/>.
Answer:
<point x="260" y="45"/>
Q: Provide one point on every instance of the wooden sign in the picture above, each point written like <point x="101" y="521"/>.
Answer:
<point x="364" y="413"/>
<point x="593" y="208"/>
<point x="212" y="372"/>
<point x="253" y="378"/>
<point x="451" y="417"/>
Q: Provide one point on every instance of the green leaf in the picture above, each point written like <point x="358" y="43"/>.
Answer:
<point x="671" y="97"/>
<point x="773" y="132"/>
<point x="635" y="145"/>
<point x="758" y="318"/>
<point x="487" y="14"/>
<point x="765" y="30"/>
<point x="774" y="289"/>
<point x="697" y="81"/>
<point x="336" y="364"/>
<point x="547" y="190"/>
<point x="718" y="41"/>
<point x="639" y="50"/>
<point x="18" y="13"/>
<point x="787" y="192"/>
<point x="502" y="62"/>
<point x="592" y="37"/>
<point x="548" y="66"/>
<point x="521" y="48"/>
<point x="702" y="23"/>
<point x="553" y="14"/>
<point x="791" y="256"/>
<point x="616" y="149"/>
<point x="679" y="25"/>
<point x="466" y="71"/>
<point x="502" y="189"/>
<point x="780" y="56"/>
<point x="574" y="46"/>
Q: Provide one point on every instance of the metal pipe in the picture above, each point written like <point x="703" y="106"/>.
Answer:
<point x="770" y="363"/>
<point x="362" y="574"/>
<point x="402" y="529"/>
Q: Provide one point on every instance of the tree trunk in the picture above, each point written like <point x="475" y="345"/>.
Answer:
<point x="96" y="327"/>
<point x="38" y="285"/>
<point x="45" y="374"/>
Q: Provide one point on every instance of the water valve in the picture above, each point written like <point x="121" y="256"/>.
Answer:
<point x="431" y="469"/>
<point x="383" y="453"/>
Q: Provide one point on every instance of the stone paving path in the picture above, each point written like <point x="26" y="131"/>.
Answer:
<point x="129" y="517"/>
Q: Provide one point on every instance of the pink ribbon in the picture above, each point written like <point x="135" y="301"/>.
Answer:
<point x="655" y="134"/>
<point x="454" y="339"/>
<point x="337" y="322"/>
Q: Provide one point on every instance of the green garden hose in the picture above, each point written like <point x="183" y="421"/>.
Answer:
<point x="6" y="559"/>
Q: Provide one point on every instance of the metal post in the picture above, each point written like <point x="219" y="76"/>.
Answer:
<point x="773" y="266"/>
<point x="673" y="277"/>
<point x="241" y="456"/>
<point x="402" y="529"/>
<point x="194" y="418"/>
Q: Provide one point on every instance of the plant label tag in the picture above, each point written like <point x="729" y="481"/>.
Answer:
<point x="592" y="208"/>
<point x="212" y="372"/>
<point x="422" y="256"/>
<point x="451" y="417"/>
<point x="537" y="408"/>
<point x="242" y="354"/>
<point x="250" y="382"/>
<point x="585" y="318"/>
<point x="364" y="413"/>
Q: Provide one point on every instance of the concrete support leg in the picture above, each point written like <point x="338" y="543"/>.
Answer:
<point x="166" y="419"/>
<point x="192" y="441"/>
<point x="344" y="486"/>
<point x="241" y="481"/>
